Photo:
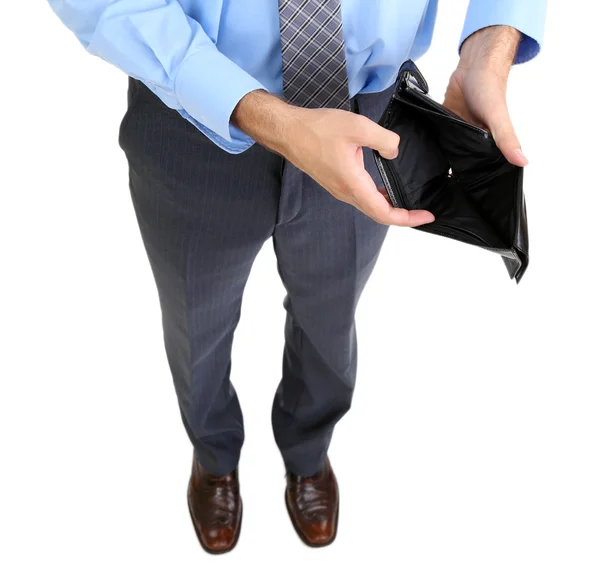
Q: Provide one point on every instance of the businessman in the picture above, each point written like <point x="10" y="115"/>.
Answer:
<point x="246" y="121"/>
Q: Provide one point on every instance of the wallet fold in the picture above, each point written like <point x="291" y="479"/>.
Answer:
<point x="455" y="170"/>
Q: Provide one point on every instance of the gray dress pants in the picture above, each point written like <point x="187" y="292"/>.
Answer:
<point x="204" y="214"/>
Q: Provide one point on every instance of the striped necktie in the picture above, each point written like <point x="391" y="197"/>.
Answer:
<point x="313" y="57"/>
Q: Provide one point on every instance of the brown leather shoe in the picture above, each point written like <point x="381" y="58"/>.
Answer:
<point x="313" y="505"/>
<point x="216" y="509"/>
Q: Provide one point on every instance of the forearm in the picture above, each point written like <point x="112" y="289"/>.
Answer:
<point x="493" y="47"/>
<point x="265" y="118"/>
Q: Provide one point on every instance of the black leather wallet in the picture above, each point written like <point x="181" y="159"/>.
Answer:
<point x="456" y="171"/>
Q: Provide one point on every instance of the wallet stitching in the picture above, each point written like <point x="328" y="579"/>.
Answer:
<point x="386" y="180"/>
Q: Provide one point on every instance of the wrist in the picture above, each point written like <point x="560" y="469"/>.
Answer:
<point x="492" y="48"/>
<point x="265" y="118"/>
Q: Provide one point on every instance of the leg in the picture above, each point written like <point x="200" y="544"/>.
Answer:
<point x="326" y="251"/>
<point x="325" y="256"/>
<point x="204" y="215"/>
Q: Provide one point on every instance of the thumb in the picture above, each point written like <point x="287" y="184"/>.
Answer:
<point x="505" y="137"/>
<point x="372" y="135"/>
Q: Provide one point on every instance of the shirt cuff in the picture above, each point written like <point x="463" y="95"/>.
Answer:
<point x="208" y="86"/>
<point x="527" y="16"/>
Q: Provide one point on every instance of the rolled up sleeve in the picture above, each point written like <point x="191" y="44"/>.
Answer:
<point x="527" y="16"/>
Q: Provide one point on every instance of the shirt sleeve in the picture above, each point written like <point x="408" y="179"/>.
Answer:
<point x="527" y="16"/>
<point x="156" y="42"/>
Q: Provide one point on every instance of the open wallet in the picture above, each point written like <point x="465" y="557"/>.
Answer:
<point x="456" y="171"/>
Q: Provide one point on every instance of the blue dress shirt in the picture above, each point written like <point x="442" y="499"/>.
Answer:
<point x="202" y="56"/>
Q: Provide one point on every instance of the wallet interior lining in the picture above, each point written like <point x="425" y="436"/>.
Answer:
<point x="437" y="170"/>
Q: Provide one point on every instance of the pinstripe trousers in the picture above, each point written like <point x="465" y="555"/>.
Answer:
<point x="204" y="214"/>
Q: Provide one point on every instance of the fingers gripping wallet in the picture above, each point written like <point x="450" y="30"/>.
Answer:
<point x="456" y="171"/>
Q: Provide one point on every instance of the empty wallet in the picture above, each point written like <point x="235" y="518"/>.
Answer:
<point x="456" y="171"/>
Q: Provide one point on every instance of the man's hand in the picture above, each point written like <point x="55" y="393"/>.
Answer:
<point x="327" y="145"/>
<point x="477" y="89"/>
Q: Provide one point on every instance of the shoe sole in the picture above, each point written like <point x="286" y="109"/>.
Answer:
<point x="301" y="534"/>
<point x="199" y="536"/>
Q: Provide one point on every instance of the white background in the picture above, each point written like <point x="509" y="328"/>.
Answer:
<point x="472" y="448"/>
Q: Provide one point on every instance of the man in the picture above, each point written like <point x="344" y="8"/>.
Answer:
<point x="306" y="80"/>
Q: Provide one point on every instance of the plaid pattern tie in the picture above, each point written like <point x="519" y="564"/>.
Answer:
<point x="312" y="47"/>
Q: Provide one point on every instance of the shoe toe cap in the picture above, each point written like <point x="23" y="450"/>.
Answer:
<point x="220" y="539"/>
